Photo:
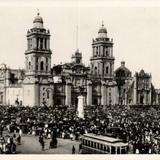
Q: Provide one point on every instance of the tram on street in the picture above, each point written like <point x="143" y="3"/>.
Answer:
<point x="98" y="144"/>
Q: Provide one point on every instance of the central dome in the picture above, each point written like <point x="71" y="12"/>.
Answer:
<point x="38" y="18"/>
<point x="102" y="33"/>
<point x="38" y="21"/>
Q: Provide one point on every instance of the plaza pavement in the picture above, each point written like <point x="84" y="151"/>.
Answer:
<point x="30" y="145"/>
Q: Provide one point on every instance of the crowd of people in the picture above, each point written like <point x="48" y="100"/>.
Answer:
<point x="137" y="125"/>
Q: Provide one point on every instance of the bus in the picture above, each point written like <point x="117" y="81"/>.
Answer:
<point x="98" y="144"/>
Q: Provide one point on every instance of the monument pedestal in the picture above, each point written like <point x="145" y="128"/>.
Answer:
<point x="80" y="108"/>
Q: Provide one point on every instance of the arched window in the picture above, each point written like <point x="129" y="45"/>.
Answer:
<point x="29" y="65"/>
<point x="47" y="94"/>
<point x="96" y="51"/>
<point x="95" y="68"/>
<point x="107" y="70"/>
<point x="42" y="65"/>
<point x="41" y="43"/>
<point x="107" y="54"/>
<point x="46" y="43"/>
<point x="46" y="64"/>
<point x="36" y="63"/>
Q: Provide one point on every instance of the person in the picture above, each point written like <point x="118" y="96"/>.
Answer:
<point x="43" y="144"/>
<point x="73" y="150"/>
<point x="20" y="132"/>
<point x="40" y="139"/>
<point x="63" y="135"/>
<point x="80" y="147"/>
<point x="71" y="136"/>
<point x="19" y="139"/>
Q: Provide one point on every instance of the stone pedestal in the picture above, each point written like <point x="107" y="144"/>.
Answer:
<point x="80" y="108"/>
<point x="89" y="92"/>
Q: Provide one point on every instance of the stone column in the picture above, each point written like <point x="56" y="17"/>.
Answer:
<point x="89" y="92"/>
<point x="68" y="92"/>
<point x="93" y="50"/>
<point x="48" y="45"/>
<point x="103" y="93"/>
<point x="43" y="43"/>
<point x="101" y="50"/>
<point x="111" y="51"/>
<point x="34" y="43"/>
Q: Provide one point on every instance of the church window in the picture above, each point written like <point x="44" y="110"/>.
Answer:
<point x="46" y="44"/>
<point x="78" y="60"/>
<point x="46" y="64"/>
<point x="107" y="51"/>
<point x="107" y="70"/>
<point x="42" y="65"/>
<point x="47" y="94"/>
<point x="36" y="63"/>
<point x="29" y="65"/>
<point x="37" y="45"/>
<point x="41" y="43"/>
<point x="95" y="68"/>
<point x="96" y="51"/>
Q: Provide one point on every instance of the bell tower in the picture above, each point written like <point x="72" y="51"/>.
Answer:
<point x="38" y="53"/>
<point x="38" y="84"/>
<point x="102" y="60"/>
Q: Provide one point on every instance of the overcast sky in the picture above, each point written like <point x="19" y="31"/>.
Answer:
<point x="135" y="31"/>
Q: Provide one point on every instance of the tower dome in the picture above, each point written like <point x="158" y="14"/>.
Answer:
<point x="102" y="33"/>
<point x="38" y="21"/>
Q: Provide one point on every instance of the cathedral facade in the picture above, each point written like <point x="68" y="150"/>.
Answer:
<point x="99" y="84"/>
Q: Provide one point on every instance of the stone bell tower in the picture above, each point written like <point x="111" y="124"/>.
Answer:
<point x="38" y="53"/>
<point x="102" y="60"/>
<point x="37" y="64"/>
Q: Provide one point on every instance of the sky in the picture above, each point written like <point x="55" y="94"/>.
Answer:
<point x="135" y="30"/>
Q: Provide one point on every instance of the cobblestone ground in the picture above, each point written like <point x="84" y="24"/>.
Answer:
<point x="30" y="145"/>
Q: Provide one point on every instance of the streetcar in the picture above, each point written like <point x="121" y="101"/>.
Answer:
<point x="98" y="144"/>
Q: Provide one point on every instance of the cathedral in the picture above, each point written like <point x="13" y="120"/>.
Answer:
<point x="40" y="84"/>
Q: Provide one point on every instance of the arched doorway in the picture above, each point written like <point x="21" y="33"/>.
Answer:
<point x="76" y="101"/>
<point x="141" y="99"/>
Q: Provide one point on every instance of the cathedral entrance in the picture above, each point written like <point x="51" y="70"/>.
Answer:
<point x="95" y="101"/>
<point x="141" y="99"/>
<point x="76" y="101"/>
